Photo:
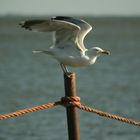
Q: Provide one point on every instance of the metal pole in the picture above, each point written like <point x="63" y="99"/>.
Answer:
<point x="72" y="115"/>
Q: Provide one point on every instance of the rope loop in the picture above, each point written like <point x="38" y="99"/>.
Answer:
<point x="70" y="101"/>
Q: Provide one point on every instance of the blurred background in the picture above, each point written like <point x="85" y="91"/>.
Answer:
<point x="112" y="84"/>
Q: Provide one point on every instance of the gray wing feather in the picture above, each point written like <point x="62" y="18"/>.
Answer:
<point x="85" y="28"/>
<point x="65" y="29"/>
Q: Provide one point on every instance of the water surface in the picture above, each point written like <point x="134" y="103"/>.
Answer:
<point x="112" y="84"/>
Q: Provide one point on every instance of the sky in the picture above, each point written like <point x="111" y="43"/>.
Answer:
<point x="70" y="7"/>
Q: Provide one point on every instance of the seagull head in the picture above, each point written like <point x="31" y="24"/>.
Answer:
<point x="95" y="52"/>
<point x="98" y="51"/>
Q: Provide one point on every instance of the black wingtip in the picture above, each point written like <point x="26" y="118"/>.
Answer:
<point x="21" y="23"/>
<point x="61" y="17"/>
<point x="24" y="25"/>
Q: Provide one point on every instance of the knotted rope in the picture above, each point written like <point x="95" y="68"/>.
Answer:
<point x="70" y="101"/>
<point x="67" y="102"/>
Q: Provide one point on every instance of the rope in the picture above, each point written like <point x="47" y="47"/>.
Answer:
<point x="29" y="110"/>
<point x="69" y="101"/>
<point x="108" y="115"/>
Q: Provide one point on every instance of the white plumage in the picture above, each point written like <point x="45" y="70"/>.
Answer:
<point x="68" y="40"/>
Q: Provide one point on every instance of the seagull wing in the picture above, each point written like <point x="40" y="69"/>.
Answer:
<point x="85" y="28"/>
<point x="37" y="25"/>
<point x="64" y="31"/>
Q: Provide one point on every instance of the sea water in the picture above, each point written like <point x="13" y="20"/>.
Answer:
<point x="111" y="85"/>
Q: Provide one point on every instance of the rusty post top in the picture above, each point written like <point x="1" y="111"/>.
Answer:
<point x="70" y="84"/>
<point x="70" y="74"/>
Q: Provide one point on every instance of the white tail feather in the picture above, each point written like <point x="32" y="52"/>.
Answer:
<point x="37" y="51"/>
<point x="43" y="51"/>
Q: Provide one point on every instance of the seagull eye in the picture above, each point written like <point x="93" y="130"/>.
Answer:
<point x="96" y="50"/>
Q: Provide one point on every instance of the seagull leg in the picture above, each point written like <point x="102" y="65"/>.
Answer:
<point x="64" y="68"/>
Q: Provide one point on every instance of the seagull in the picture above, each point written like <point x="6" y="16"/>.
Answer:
<point x="68" y="41"/>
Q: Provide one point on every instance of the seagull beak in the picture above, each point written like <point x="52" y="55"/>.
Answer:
<point x="106" y="52"/>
